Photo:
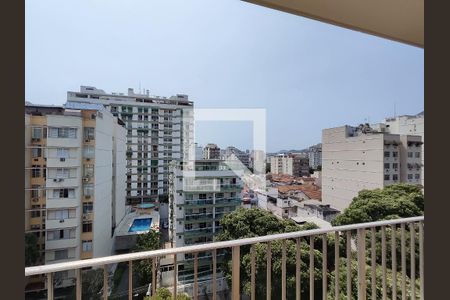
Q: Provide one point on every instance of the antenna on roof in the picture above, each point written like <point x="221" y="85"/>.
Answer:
<point x="395" y="111"/>
<point x="140" y="91"/>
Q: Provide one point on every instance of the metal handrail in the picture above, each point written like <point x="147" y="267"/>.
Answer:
<point x="101" y="261"/>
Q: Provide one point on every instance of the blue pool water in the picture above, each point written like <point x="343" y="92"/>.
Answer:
<point x="146" y="205"/>
<point x="140" y="225"/>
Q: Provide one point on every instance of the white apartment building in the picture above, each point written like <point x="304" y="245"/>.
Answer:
<point x="211" y="151"/>
<point x="357" y="158"/>
<point x="158" y="132"/>
<point x="290" y="164"/>
<point x="75" y="181"/>
<point x="202" y="192"/>
<point x="315" y="156"/>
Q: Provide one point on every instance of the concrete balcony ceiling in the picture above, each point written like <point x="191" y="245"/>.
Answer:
<point x="399" y="20"/>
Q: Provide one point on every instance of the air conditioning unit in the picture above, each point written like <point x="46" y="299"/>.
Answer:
<point x="55" y="180"/>
<point x="86" y="179"/>
<point x="88" y="159"/>
<point x="87" y="196"/>
<point x="87" y="140"/>
<point x="85" y="217"/>
<point x="35" y="139"/>
<point x="35" y="199"/>
<point x="62" y="159"/>
<point x="36" y="159"/>
<point x="61" y="221"/>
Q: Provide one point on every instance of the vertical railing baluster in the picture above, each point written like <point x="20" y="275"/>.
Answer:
<point x="154" y="276"/>
<point x="50" y="286"/>
<point x="394" y="261"/>
<point x="235" y="285"/>
<point x="214" y="278"/>
<point x="175" y="274"/>
<point x="421" y="261"/>
<point x="78" y="287"/>
<point x="403" y="257"/>
<point x="413" y="260"/>
<point x="336" y="265"/>
<point x="283" y="270"/>
<point x="269" y="272"/>
<point x="298" y="261"/>
<point x="253" y="276"/>
<point x="373" y="257"/>
<point x="105" y="282"/>
<point x="361" y="264"/>
<point x="349" y="264"/>
<point x="196" y="275"/>
<point x="311" y="267"/>
<point x="324" y="267"/>
<point x="383" y="261"/>
<point x="130" y="280"/>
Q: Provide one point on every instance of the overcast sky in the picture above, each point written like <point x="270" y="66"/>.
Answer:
<point x="223" y="53"/>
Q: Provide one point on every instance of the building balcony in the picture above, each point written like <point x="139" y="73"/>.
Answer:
<point x="362" y="262"/>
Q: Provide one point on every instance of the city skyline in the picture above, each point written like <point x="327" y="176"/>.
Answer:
<point x="307" y="75"/>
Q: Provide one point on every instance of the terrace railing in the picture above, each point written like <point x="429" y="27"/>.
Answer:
<point x="359" y="240"/>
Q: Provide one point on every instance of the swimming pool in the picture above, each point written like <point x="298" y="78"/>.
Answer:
<point x="140" y="225"/>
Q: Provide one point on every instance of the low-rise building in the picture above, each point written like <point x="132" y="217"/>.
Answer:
<point x="290" y="164"/>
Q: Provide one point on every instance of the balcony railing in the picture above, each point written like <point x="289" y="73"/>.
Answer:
<point x="362" y="239"/>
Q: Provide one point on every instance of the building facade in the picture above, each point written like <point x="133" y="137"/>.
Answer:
<point x="211" y="151"/>
<point x="290" y="164"/>
<point x="202" y="193"/>
<point x="158" y="132"/>
<point x="315" y="156"/>
<point x="244" y="157"/>
<point x="357" y="158"/>
<point x="75" y="182"/>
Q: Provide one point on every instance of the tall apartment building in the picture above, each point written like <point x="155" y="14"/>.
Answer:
<point x="290" y="164"/>
<point x="202" y="193"/>
<point x="315" y="156"/>
<point x="244" y="157"/>
<point x="158" y="132"/>
<point x="75" y="181"/>
<point x="356" y="158"/>
<point x="211" y="151"/>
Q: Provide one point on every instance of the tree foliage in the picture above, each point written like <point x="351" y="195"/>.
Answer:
<point x="31" y="249"/>
<point x="394" y="201"/>
<point x="143" y="269"/>
<point x="165" y="294"/>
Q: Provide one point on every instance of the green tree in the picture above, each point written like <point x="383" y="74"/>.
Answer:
<point x="244" y="223"/>
<point x="165" y="294"/>
<point x="392" y="202"/>
<point x="31" y="249"/>
<point x="143" y="269"/>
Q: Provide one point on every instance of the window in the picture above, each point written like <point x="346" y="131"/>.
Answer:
<point x="35" y="191"/>
<point x="36" y="132"/>
<point x="88" y="151"/>
<point x="61" y="254"/>
<point x="417" y="154"/>
<point x="36" y="171"/>
<point x="89" y="170"/>
<point x="87" y="227"/>
<point x="395" y="177"/>
<point x="386" y="166"/>
<point x="36" y="152"/>
<point x="394" y="154"/>
<point x="87" y="246"/>
<point x="387" y="154"/>
<point x="61" y="214"/>
<point x="201" y="196"/>
<point x="387" y="177"/>
<point x="35" y="213"/>
<point x="87" y="207"/>
<point x="60" y="234"/>
<point x="62" y="153"/>
<point x="89" y="133"/>
<point x="64" y="193"/>
<point x="410" y="176"/>
<point x="410" y="154"/>
<point x="62" y="132"/>
<point x="88" y="190"/>
<point x="417" y="176"/>
<point x="395" y="165"/>
<point x="62" y="173"/>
